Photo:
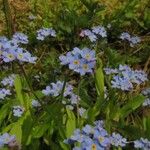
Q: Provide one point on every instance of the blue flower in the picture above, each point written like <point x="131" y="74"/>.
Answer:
<point x="11" y="51"/>
<point x="133" y="40"/>
<point x="65" y="60"/>
<point x="35" y="103"/>
<point x="90" y="144"/>
<point x="146" y="93"/>
<point x="8" y="80"/>
<point x="8" y="56"/>
<point x="125" y="78"/>
<point x="89" y="34"/>
<point x="125" y="36"/>
<point x="102" y="137"/>
<point x="4" y="92"/>
<point x="78" y="136"/>
<point x="94" y="33"/>
<point x="85" y="67"/>
<point x="18" y="111"/>
<point x="20" y="38"/>
<point x="82" y="112"/>
<point x="88" y="54"/>
<point x="99" y="30"/>
<point x="95" y="138"/>
<point x="118" y="140"/>
<point x="81" y="61"/>
<point x="121" y="83"/>
<point x="88" y="129"/>
<point x="47" y="91"/>
<point x="74" y="99"/>
<point x="75" y="62"/>
<point x="142" y="143"/>
<point x="6" y="138"/>
<point x="45" y="32"/>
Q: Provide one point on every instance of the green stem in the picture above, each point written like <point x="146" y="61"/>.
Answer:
<point x="31" y="89"/>
<point x="78" y="93"/>
<point x="26" y="78"/>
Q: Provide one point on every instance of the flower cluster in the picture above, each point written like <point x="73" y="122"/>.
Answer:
<point x="94" y="33"/>
<point x="8" y="81"/>
<point x="95" y="138"/>
<point x="81" y="61"/>
<point x="6" y="139"/>
<point x="133" y="40"/>
<point x="18" y="111"/>
<point x="146" y="93"/>
<point x="55" y="89"/>
<point x="117" y="140"/>
<point x="82" y="112"/>
<point x="45" y="32"/>
<point x="4" y="92"/>
<point x="142" y="144"/>
<point x="35" y="103"/>
<point x="20" y="38"/>
<point x="10" y="50"/>
<point x="125" y="77"/>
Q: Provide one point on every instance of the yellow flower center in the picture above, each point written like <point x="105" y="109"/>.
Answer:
<point x="94" y="147"/>
<point x="87" y="56"/>
<point x="10" y="56"/>
<point x="101" y="139"/>
<point x="76" y="62"/>
<point x="20" y="56"/>
<point x="85" y="66"/>
<point x="6" y="140"/>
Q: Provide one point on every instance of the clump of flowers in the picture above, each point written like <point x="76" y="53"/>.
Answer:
<point x="55" y="89"/>
<point x="133" y="40"/>
<point x="20" y="38"/>
<point x="18" y="111"/>
<point x="8" y="81"/>
<point x="118" y="140"/>
<point x="146" y="93"/>
<point x="125" y="78"/>
<point x="35" y="103"/>
<point x="3" y="93"/>
<point x="95" y="33"/>
<point x="45" y="32"/>
<point x="10" y="50"/>
<point x="81" y="61"/>
<point x="95" y="138"/>
<point x="82" y="112"/>
<point x="142" y="144"/>
<point x="6" y="139"/>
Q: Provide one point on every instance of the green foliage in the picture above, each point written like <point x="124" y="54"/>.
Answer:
<point x="49" y="125"/>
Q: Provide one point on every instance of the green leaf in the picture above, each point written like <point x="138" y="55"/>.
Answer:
<point x="4" y="110"/>
<point x="71" y="123"/>
<point x="146" y="122"/>
<point x="27" y="128"/>
<point x="40" y="130"/>
<point x="17" y="130"/>
<point x="64" y="146"/>
<point x="18" y="88"/>
<point x="99" y="77"/>
<point x="132" y="105"/>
